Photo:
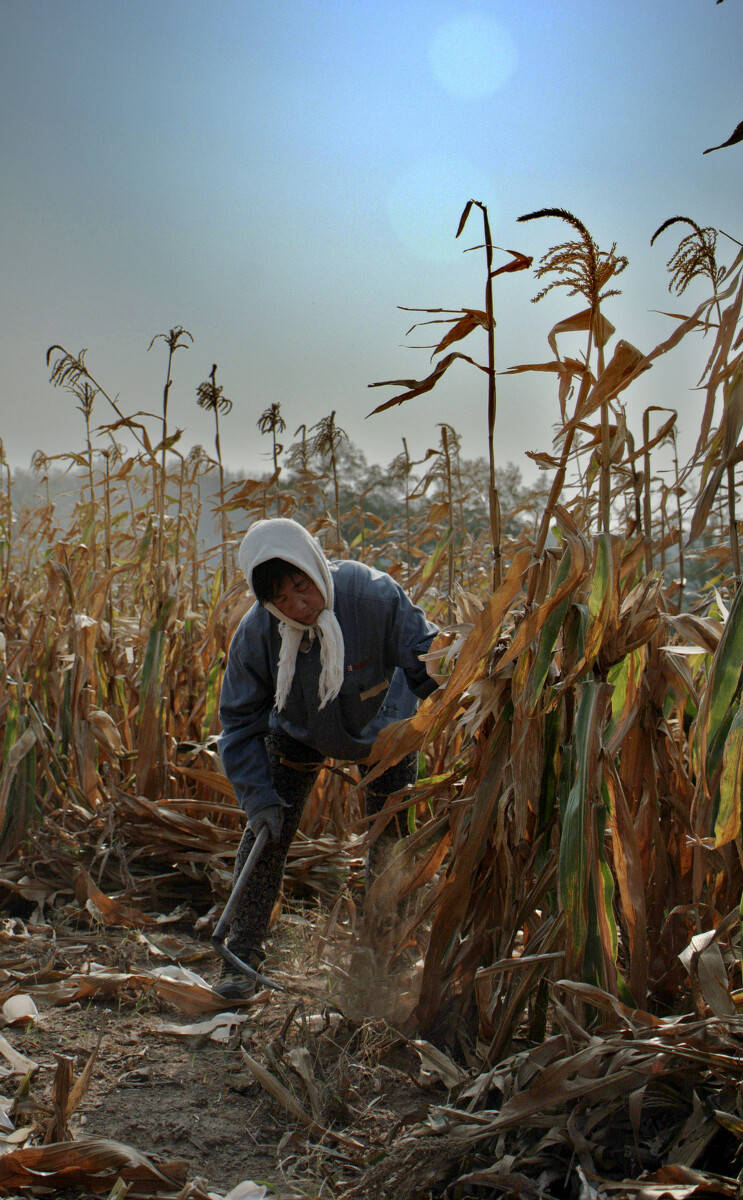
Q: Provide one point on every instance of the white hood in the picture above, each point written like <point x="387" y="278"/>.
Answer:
<point x="280" y="537"/>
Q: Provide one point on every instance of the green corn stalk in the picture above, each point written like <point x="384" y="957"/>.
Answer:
<point x="550" y="630"/>
<point x="432" y="562"/>
<point x="727" y="820"/>
<point x="211" y="696"/>
<point x="601" y="596"/>
<point x="719" y="701"/>
<point x="18" y="777"/>
<point x="548" y="791"/>
<point x="150" y="758"/>
<point x="601" y="943"/>
<point x="581" y="864"/>
<point x="624" y="678"/>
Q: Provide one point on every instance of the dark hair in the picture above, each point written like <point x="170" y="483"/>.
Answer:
<point x="268" y="577"/>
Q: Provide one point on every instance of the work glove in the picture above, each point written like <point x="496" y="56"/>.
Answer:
<point x="271" y="818"/>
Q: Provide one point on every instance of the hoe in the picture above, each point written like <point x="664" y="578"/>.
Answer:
<point x="223" y="923"/>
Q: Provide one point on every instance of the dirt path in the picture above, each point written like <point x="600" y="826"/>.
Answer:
<point x="196" y="1100"/>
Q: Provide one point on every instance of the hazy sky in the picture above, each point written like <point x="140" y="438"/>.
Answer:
<point x="279" y="175"/>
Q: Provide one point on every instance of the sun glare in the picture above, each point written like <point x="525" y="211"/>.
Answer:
<point x="472" y="56"/>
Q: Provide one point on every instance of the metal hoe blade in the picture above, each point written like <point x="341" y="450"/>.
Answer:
<point x="223" y="923"/>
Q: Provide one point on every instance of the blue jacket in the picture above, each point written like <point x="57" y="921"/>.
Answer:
<point x="383" y="632"/>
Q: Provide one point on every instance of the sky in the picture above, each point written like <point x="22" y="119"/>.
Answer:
<point x="280" y="177"/>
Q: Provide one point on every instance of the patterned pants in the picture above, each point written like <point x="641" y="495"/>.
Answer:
<point x="294" y="769"/>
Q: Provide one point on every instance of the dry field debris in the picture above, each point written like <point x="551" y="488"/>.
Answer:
<point x="122" y="1068"/>
<point x="119" y="1062"/>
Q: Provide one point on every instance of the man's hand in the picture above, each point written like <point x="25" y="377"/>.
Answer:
<point x="271" y="818"/>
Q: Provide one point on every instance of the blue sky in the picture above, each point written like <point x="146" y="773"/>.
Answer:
<point x="279" y="177"/>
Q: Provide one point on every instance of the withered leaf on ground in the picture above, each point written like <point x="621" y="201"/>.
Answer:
<point x="105" y="908"/>
<point x="93" y="1162"/>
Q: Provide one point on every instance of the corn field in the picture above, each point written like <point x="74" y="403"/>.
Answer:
<point x="571" y="876"/>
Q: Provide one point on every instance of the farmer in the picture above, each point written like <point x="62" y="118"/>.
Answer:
<point x="327" y="658"/>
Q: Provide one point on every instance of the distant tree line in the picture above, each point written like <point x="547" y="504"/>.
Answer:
<point x="305" y="489"/>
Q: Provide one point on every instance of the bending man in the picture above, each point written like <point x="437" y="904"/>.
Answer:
<point x="326" y="659"/>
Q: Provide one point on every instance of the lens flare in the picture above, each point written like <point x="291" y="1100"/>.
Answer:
<point x="472" y="56"/>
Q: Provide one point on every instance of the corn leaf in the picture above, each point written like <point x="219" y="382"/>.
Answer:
<point x="727" y="820"/>
<point x="575" y="865"/>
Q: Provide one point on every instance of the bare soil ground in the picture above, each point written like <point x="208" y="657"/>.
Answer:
<point x="327" y="1052"/>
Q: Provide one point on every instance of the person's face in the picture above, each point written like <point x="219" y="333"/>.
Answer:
<point x="298" y="598"/>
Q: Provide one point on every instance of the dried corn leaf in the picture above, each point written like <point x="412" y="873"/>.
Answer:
<point x="580" y="323"/>
<point x="18" y="1063"/>
<point x="106" y="909"/>
<point x="105" y="731"/>
<point x="288" y="1101"/>
<point x="218" y="1028"/>
<point x="626" y="364"/>
<point x="703" y="958"/>
<point x="299" y="1057"/>
<point x="572" y="567"/>
<point x="703" y="631"/>
<point x="246" y="1190"/>
<point x="94" y="1163"/>
<point x="721" y="453"/>
<point x="174" y="985"/>
<point x="19" y="1009"/>
<point x="437" y="1065"/>
<point x="470" y="320"/>
<point x="416" y="387"/>
<point x="682" y="1183"/>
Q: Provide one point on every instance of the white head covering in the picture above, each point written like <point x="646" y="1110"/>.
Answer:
<point x="283" y="538"/>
